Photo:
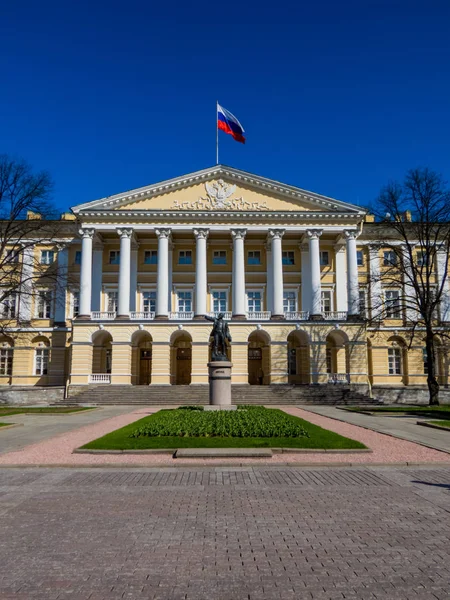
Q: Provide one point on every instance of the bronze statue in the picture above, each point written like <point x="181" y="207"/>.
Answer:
<point x="220" y="334"/>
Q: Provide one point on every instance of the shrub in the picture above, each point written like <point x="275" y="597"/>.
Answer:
<point x="258" y="422"/>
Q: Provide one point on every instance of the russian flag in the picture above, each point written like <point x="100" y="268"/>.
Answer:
<point x="228" y="123"/>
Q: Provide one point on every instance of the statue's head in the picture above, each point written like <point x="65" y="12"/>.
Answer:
<point x="220" y="316"/>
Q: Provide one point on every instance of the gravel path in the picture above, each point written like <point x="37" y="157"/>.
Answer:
<point x="58" y="450"/>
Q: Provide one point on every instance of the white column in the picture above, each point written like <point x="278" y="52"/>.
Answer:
<point x="170" y="284"/>
<point x="277" y="272"/>
<point x="269" y="277"/>
<point x="341" y="279"/>
<point x="201" y="289"/>
<point x="352" y="273"/>
<point x="306" y="278"/>
<point x="239" y="308"/>
<point x="27" y="284"/>
<point x="123" y="304"/>
<point x="86" y="272"/>
<point x="61" y="284"/>
<point x="97" y="277"/>
<point x="442" y="276"/>
<point x="162" y="283"/>
<point x="376" y="297"/>
<point x="133" y="276"/>
<point x="314" y="262"/>
<point x="408" y="289"/>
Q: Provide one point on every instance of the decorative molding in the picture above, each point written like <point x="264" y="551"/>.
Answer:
<point x="201" y="234"/>
<point x="126" y="233"/>
<point x="314" y="234"/>
<point x="218" y="197"/>
<point x="238" y="234"/>
<point x="87" y="233"/>
<point x="164" y="233"/>
<point x="351" y="234"/>
<point x="276" y="233"/>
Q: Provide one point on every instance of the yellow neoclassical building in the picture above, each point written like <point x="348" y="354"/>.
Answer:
<point x="138" y="271"/>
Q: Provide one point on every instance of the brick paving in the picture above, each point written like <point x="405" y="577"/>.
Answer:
<point x="250" y="533"/>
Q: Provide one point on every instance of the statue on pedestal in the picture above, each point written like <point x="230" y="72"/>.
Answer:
<point x="220" y="334"/>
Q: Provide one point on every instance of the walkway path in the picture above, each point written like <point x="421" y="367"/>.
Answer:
<point x="402" y="427"/>
<point x="233" y="534"/>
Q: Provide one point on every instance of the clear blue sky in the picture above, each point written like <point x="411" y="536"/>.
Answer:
<point x="335" y="97"/>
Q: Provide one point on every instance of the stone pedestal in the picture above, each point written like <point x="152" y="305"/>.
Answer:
<point x="220" y="384"/>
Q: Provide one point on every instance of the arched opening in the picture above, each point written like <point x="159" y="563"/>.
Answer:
<point x="41" y="359"/>
<point x="259" y="358"/>
<point x="398" y="360"/>
<point x="298" y="358"/>
<point x="370" y="361"/>
<point x="101" y="352"/>
<point x="180" y="358"/>
<point x="337" y="357"/>
<point x="441" y="361"/>
<point x="6" y="359"/>
<point x="141" y="358"/>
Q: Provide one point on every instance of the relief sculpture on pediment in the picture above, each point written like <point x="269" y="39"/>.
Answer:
<point x="219" y="197"/>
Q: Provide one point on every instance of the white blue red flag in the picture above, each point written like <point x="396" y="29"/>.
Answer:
<point x="229" y="124"/>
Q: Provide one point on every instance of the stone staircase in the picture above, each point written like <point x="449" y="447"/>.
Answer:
<point x="156" y="395"/>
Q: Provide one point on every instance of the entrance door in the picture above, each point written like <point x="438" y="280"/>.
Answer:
<point x="145" y="367"/>
<point x="184" y="365"/>
<point x="255" y="372"/>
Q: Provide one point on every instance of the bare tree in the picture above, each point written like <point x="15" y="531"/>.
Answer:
<point x="413" y="228"/>
<point x="27" y="219"/>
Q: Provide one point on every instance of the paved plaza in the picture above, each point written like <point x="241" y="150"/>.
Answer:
<point x="250" y="533"/>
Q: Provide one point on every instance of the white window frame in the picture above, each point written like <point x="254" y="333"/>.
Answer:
<point x="186" y="253"/>
<point x="386" y="303"/>
<point x="116" y="259"/>
<point x="142" y="291"/>
<point x="184" y="290"/>
<point x="217" y="252"/>
<point x="219" y="291"/>
<point x="322" y="254"/>
<point x="364" y="310"/>
<point x="255" y="290"/>
<point x="50" y="257"/>
<point x="286" y="254"/>
<point x="6" y="361"/>
<point x="395" y="353"/>
<point x="151" y="253"/>
<point x="294" y="291"/>
<point x="330" y="292"/>
<point x="44" y="352"/>
<point x="254" y="252"/>
<point x="422" y="258"/>
<point x="36" y="304"/>
<point x="387" y="262"/>
<point x="7" y="303"/>
<point x="73" y="294"/>
<point x="77" y="253"/>
<point x="12" y="256"/>
<point x="360" y="253"/>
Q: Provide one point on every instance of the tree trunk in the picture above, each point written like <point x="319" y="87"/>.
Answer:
<point x="433" y="385"/>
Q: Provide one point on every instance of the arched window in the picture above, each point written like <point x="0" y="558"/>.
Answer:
<point x="6" y="358"/>
<point x="395" y="362"/>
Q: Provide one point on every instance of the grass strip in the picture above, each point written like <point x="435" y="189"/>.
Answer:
<point x="5" y="424"/>
<point x="317" y="438"/>
<point x="6" y="411"/>
<point x="441" y="423"/>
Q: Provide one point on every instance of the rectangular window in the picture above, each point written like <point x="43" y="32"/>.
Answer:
<point x="41" y="361"/>
<point x="6" y="358"/>
<point x="9" y="306"/>
<point x="254" y="257"/>
<point x="12" y="256"/>
<point x="219" y="298"/>
<point x="44" y="305"/>
<point x="359" y="258"/>
<point x="254" y="301"/>
<point x="425" y="361"/>
<point x="77" y="260"/>
<point x="185" y="257"/>
<point x="112" y="299"/>
<point x="392" y="303"/>
<point x="324" y="258"/>
<point x="47" y="257"/>
<point x="362" y="303"/>
<point x="219" y="257"/>
<point x="151" y="257"/>
<point x="149" y="301"/>
<point x="389" y="258"/>
<point x="185" y="301"/>
<point x="288" y="258"/>
<point x="326" y="301"/>
<point x="395" y="361"/>
<point x="75" y="303"/>
<point x="289" y="301"/>
<point x="114" y="257"/>
<point x="422" y="259"/>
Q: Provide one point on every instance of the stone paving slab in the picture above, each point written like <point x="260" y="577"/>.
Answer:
<point x="255" y="533"/>
<point x="224" y="453"/>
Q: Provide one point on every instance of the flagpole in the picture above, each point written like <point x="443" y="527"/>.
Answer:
<point x="217" y="134"/>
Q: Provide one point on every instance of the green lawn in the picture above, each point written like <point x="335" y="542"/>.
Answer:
<point x="315" y="437"/>
<point x="5" y="424"/>
<point x="442" y="411"/>
<point x="51" y="410"/>
<point x="441" y="423"/>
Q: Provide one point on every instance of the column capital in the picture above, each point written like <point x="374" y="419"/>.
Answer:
<point x="201" y="234"/>
<point x="163" y="233"/>
<point x="351" y="234"/>
<point x="275" y="233"/>
<point x="238" y="234"/>
<point x="314" y="234"/>
<point x="125" y="232"/>
<point x="87" y="233"/>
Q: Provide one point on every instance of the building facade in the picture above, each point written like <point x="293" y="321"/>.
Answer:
<point x="293" y="271"/>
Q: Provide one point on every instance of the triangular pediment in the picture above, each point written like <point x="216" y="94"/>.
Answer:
<point x="219" y="188"/>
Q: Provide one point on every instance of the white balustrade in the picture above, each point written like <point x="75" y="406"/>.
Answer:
<point x="339" y="378"/>
<point x="182" y="316"/>
<point x="108" y="315"/>
<point x="226" y="314"/>
<point x="261" y="315"/>
<point x="335" y="315"/>
<point x="144" y="316"/>
<point x="100" y="378"/>
<point x="302" y="315"/>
